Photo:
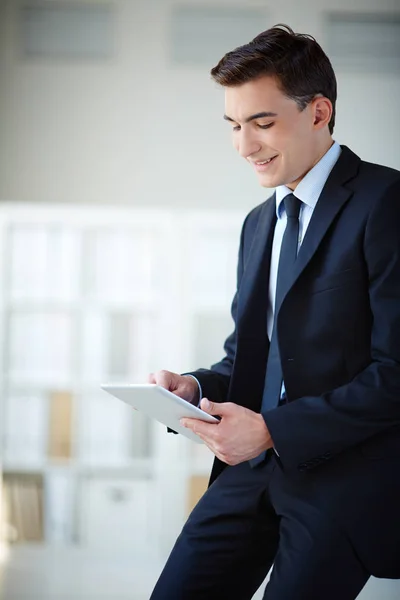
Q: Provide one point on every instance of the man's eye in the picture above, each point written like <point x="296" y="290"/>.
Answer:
<point x="236" y="128"/>
<point x="265" y="126"/>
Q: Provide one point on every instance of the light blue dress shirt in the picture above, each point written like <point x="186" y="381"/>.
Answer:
<point x="308" y="191"/>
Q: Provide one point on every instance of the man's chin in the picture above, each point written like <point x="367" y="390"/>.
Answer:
<point x="268" y="181"/>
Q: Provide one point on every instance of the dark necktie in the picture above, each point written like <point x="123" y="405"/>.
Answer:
<point x="287" y="257"/>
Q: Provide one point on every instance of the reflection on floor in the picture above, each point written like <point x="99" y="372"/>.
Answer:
<point x="43" y="573"/>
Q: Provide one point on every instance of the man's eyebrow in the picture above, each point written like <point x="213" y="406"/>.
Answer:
<point x="259" y="115"/>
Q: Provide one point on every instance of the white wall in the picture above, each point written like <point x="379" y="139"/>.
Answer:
<point x="129" y="131"/>
<point x="136" y="130"/>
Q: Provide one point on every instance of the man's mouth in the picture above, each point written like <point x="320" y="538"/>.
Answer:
<point x="262" y="165"/>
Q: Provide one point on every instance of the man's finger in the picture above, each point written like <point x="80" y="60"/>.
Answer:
<point x="198" y="426"/>
<point x="215" y="408"/>
<point x="164" y="379"/>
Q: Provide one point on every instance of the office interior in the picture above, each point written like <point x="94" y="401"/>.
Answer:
<point x="118" y="188"/>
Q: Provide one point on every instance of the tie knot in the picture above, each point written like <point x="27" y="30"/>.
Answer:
<point x="292" y="206"/>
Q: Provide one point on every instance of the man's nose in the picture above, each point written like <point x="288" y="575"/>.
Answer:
<point x="247" y="145"/>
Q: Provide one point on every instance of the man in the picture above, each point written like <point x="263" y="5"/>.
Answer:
<point x="307" y="469"/>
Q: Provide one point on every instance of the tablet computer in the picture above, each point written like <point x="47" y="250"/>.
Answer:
<point x="160" y="404"/>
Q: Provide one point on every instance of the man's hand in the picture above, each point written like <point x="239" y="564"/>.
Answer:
<point x="240" y="435"/>
<point x="182" y="385"/>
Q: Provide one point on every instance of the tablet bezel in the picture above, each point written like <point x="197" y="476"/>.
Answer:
<point x="160" y="404"/>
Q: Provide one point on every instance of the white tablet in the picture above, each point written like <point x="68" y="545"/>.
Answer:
<point x="160" y="404"/>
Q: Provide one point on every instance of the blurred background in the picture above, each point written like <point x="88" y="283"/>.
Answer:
<point x="121" y="202"/>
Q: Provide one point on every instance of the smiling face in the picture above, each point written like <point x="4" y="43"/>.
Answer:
<point x="281" y="142"/>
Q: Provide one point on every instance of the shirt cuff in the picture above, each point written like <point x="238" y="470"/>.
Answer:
<point x="199" y="386"/>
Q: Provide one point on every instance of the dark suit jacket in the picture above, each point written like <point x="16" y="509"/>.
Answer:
<point x="339" y="337"/>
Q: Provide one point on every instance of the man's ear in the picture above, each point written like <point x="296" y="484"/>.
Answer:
<point x="322" y="111"/>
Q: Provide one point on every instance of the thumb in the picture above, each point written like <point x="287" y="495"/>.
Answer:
<point x="212" y="408"/>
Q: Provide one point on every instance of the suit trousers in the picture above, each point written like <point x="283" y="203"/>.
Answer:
<point x="248" y="521"/>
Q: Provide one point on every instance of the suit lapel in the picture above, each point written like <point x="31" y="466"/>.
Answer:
<point x="252" y="340"/>
<point x="253" y="293"/>
<point x="333" y="197"/>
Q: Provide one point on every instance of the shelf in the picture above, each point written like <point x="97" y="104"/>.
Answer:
<point x="142" y="468"/>
<point x="106" y="295"/>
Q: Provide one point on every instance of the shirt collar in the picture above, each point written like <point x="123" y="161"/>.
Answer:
<point x="310" y="187"/>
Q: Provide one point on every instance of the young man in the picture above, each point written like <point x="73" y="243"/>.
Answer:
<point x="306" y="475"/>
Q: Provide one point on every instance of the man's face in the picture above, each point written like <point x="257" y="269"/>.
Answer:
<point x="271" y="132"/>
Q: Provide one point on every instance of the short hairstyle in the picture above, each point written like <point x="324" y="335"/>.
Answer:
<point x="296" y="60"/>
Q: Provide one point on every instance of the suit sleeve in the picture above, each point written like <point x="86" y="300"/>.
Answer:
<point x="311" y="430"/>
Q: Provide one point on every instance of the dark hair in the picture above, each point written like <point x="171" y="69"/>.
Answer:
<point x="298" y="62"/>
